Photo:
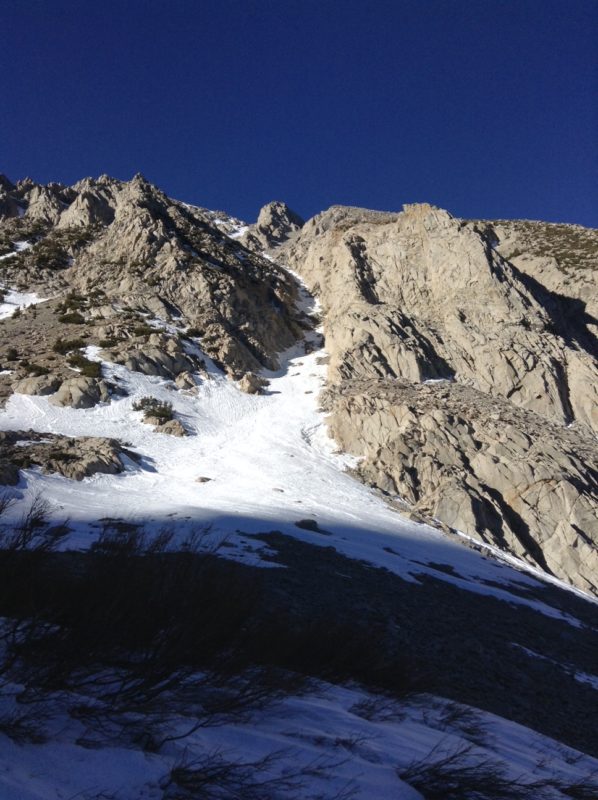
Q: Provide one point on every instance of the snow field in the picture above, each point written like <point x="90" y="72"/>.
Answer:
<point x="328" y="740"/>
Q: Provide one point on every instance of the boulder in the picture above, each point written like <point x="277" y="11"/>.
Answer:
<point x="80" y="392"/>
<point x="185" y="380"/>
<point x="72" y="457"/>
<point x="251" y="383"/>
<point x="40" y="385"/>
<point x="173" y="427"/>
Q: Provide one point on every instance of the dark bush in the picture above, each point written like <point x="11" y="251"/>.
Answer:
<point x="309" y="525"/>
<point x="90" y="369"/>
<point x="194" y="333"/>
<point x="73" y="302"/>
<point x="462" y="774"/>
<point x="35" y="370"/>
<point x="151" y="618"/>
<point x="145" y="634"/>
<point x="143" y="330"/>
<point x="72" y="318"/>
<point x="66" y="345"/>
<point x="152" y="407"/>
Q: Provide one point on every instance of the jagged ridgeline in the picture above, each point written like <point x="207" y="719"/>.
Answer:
<point x="122" y="250"/>
<point x="462" y="354"/>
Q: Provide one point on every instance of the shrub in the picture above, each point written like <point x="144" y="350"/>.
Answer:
<point x="12" y="354"/>
<point x="152" y="407"/>
<point x="72" y="318"/>
<point x="143" y="330"/>
<point x="97" y="296"/>
<point x="35" y="370"/>
<point x="214" y="777"/>
<point x="66" y="345"/>
<point x="22" y="727"/>
<point x="74" y="300"/>
<point x="309" y="525"/>
<point x="132" y="623"/>
<point x="461" y="774"/>
<point x="90" y="369"/>
<point x="50" y="254"/>
<point x="193" y="332"/>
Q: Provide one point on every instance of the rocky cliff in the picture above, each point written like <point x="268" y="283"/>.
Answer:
<point x="463" y="371"/>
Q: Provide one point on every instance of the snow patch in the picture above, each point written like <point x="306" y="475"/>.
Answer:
<point x="14" y="300"/>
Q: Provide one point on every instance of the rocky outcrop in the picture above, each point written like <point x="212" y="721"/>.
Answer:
<point x="141" y="249"/>
<point x="479" y="464"/>
<point x="41" y="385"/>
<point x="75" y="458"/>
<point x="423" y="295"/>
<point x="559" y="258"/>
<point x="275" y="224"/>
<point x="252" y="384"/>
<point x="80" y="392"/>
<point x="505" y="450"/>
<point x="502" y="314"/>
<point x="158" y="355"/>
<point x="172" y="427"/>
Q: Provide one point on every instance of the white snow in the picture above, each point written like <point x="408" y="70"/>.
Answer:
<point x="19" y="246"/>
<point x="23" y="245"/>
<point x="13" y="300"/>
<point x="585" y="677"/>
<point x="328" y="735"/>
<point x="238" y="232"/>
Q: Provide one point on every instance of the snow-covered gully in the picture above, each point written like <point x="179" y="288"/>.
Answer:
<point x="269" y="464"/>
<point x="252" y="464"/>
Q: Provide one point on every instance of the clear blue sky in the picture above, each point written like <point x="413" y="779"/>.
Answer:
<point x="486" y="107"/>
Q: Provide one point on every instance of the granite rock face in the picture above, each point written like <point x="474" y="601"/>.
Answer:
<point x="478" y="464"/>
<point x="423" y="295"/>
<point x="468" y="386"/>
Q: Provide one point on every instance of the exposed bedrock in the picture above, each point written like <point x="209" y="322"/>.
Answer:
<point x="135" y="245"/>
<point x="504" y="447"/>
<point x="502" y="475"/>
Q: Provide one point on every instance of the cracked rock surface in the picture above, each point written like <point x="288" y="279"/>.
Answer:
<point x="467" y="382"/>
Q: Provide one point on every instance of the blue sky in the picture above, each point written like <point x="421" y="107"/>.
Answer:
<point x="488" y="107"/>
